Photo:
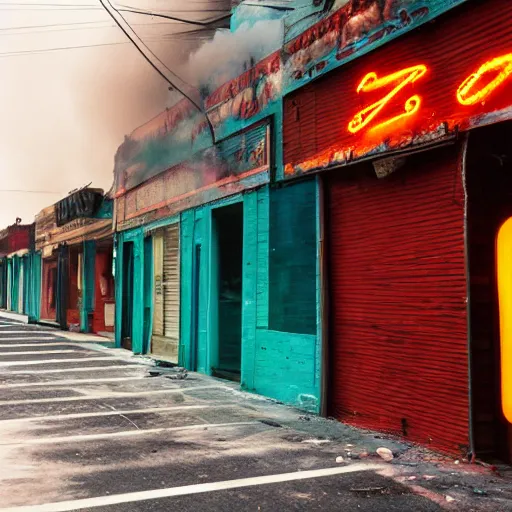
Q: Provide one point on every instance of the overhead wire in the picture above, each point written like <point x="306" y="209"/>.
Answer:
<point x="175" y="18"/>
<point x="144" y="50"/>
<point x="21" y="53"/>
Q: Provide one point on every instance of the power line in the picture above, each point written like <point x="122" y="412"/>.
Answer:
<point x="60" y="48"/>
<point x="192" y="94"/>
<point x="24" y="32"/>
<point x="22" y="191"/>
<point x="50" y="25"/>
<point x="175" y="18"/>
<point x="10" y="4"/>
<point x="49" y="9"/>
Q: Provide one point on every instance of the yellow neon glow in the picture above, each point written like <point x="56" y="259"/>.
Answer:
<point x="372" y="83"/>
<point x="503" y="63"/>
<point x="504" y="275"/>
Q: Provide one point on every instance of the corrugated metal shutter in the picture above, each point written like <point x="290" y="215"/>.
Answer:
<point x="166" y="309"/>
<point x="398" y="287"/>
<point x="158" y="273"/>
<point x="172" y="282"/>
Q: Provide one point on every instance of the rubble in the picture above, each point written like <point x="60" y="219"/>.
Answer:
<point x="385" y="454"/>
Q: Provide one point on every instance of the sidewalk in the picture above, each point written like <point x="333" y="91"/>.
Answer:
<point x="82" y="421"/>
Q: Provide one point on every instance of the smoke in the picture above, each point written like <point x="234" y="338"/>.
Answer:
<point x="229" y="54"/>
<point x="64" y="113"/>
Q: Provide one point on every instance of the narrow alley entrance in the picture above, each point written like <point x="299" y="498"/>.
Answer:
<point x="127" y="300"/>
<point x="227" y="250"/>
<point x="489" y="189"/>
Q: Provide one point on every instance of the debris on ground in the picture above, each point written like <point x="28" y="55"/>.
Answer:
<point x="170" y="372"/>
<point x="368" y="489"/>
<point x="316" y="441"/>
<point x="340" y="459"/>
<point x="479" y="492"/>
<point x="449" y="499"/>
<point x="271" y="423"/>
<point x="385" y="454"/>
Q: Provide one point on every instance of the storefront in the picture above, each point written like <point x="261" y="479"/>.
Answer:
<point x="76" y="242"/>
<point x="414" y="197"/>
<point x="16" y="243"/>
<point x="215" y="269"/>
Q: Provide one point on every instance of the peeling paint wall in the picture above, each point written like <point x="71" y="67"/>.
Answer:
<point x="281" y="365"/>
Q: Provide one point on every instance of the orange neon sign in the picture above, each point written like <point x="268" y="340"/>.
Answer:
<point x="504" y="277"/>
<point x="502" y="65"/>
<point x="372" y="83"/>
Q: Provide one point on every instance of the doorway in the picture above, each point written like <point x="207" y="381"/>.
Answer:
<point x="49" y="290"/>
<point x="227" y="253"/>
<point x="127" y="316"/>
<point x="489" y="188"/>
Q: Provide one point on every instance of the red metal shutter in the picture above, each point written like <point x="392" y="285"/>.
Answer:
<point x="398" y="287"/>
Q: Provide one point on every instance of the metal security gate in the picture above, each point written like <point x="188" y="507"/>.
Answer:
<point x="398" y="341"/>
<point x="166" y="291"/>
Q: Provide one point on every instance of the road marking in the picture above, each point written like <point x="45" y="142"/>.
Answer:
<point x="33" y="352"/>
<point x="53" y="361"/>
<point x="126" y="433"/>
<point x="104" y="396"/>
<point x="65" y="370"/>
<point x="69" y="382"/>
<point x="132" y="497"/>
<point x="28" y="338"/>
<point x="79" y="415"/>
<point x="42" y="344"/>
<point x="28" y="332"/>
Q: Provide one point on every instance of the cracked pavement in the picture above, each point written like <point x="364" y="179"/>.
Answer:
<point x="84" y="427"/>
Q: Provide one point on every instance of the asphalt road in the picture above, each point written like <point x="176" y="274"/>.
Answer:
<point x="84" y="428"/>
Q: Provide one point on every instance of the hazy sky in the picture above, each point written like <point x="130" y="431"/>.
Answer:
<point x="65" y="112"/>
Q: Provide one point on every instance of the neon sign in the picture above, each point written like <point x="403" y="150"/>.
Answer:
<point x="501" y="65"/>
<point x="504" y="276"/>
<point x="372" y="83"/>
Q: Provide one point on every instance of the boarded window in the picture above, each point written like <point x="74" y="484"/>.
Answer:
<point x="292" y="259"/>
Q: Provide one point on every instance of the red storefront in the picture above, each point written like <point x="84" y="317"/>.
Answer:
<point x="417" y="138"/>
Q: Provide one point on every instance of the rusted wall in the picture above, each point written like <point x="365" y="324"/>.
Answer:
<point x="317" y="117"/>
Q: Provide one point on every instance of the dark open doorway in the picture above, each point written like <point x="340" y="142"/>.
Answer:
<point x="127" y="320"/>
<point x="489" y="188"/>
<point x="227" y="250"/>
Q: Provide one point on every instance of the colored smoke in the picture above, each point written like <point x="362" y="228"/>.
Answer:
<point x="229" y="54"/>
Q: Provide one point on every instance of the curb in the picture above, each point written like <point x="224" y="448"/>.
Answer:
<point x="9" y="315"/>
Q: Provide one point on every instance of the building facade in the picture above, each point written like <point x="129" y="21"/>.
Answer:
<point x="75" y="240"/>
<point x="367" y="288"/>
<point x="326" y="234"/>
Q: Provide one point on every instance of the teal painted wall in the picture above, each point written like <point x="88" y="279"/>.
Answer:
<point x="142" y="283"/>
<point x="32" y="286"/>
<point x="285" y="366"/>
<point x="88" y="275"/>
<point x="136" y="236"/>
<point x="281" y="365"/>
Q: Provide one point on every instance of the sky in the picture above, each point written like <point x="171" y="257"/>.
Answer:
<point x="64" y="112"/>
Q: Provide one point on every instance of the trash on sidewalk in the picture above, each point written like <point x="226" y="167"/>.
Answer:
<point x="316" y="441"/>
<point x="385" y="454"/>
<point x="170" y="372"/>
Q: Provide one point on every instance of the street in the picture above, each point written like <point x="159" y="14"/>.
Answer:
<point x="84" y="427"/>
